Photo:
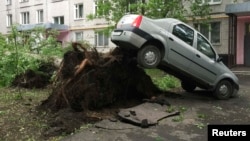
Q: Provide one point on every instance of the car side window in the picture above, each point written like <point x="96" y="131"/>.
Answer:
<point x="204" y="47"/>
<point x="185" y="33"/>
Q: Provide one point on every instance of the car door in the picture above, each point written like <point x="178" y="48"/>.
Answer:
<point x="180" y="46"/>
<point x="204" y="64"/>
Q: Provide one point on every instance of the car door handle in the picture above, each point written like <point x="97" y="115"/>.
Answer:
<point x="171" y="39"/>
<point x="198" y="55"/>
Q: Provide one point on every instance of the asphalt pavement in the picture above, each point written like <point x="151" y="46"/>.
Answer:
<point x="197" y="110"/>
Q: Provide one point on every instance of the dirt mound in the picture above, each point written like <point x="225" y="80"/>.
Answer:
<point x="35" y="79"/>
<point x="90" y="80"/>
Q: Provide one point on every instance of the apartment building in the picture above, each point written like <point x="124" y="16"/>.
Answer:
<point x="229" y="28"/>
<point x="66" y="16"/>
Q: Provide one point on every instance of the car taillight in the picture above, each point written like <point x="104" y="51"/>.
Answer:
<point x="137" y="21"/>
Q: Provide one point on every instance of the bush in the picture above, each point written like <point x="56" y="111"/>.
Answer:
<point x="21" y="51"/>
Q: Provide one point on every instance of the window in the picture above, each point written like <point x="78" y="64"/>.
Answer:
<point x="78" y="11"/>
<point x="104" y="10"/>
<point x="184" y="33"/>
<point x="8" y="2"/>
<point x="56" y="0"/>
<point x="210" y="31"/>
<point x="25" y="18"/>
<point x="101" y="39"/>
<point x="24" y="0"/>
<point x="39" y="16"/>
<point x="204" y="47"/>
<point x="211" y="2"/>
<point x="9" y="20"/>
<point x="78" y="36"/>
<point x="59" y="20"/>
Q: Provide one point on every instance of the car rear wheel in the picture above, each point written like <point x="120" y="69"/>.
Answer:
<point x="188" y="86"/>
<point x="149" y="56"/>
<point x="224" y="90"/>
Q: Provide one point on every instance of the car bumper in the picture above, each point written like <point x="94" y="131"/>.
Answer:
<point x="127" y="39"/>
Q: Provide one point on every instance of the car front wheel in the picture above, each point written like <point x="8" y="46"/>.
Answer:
<point x="224" y="90"/>
<point x="149" y="56"/>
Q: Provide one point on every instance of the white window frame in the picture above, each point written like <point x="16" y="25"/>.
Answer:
<point x="79" y="36"/>
<point x="24" y="0"/>
<point x="9" y="20"/>
<point x="59" y="19"/>
<point x="210" y="32"/>
<point x="212" y="2"/>
<point x="8" y="2"/>
<point x="105" y="40"/>
<point x="40" y="16"/>
<point x="25" y="18"/>
<point x="96" y="8"/>
<point x="77" y="13"/>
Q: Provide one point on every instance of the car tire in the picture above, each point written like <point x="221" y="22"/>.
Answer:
<point x="187" y="86"/>
<point x="224" y="90"/>
<point x="149" y="56"/>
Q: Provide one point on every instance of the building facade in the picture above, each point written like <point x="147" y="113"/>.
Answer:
<point x="229" y="28"/>
<point x="69" y="17"/>
<point x="239" y="32"/>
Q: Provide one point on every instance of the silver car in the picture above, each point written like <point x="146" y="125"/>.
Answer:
<point x="178" y="49"/>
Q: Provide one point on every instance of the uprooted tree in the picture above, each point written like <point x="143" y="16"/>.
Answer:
<point x="88" y="80"/>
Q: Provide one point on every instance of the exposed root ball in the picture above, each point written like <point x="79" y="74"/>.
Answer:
<point x="88" y="80"/>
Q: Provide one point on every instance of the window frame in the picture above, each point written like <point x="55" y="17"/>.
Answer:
<point x="59" y="19"/>
<point x="105" y="40"/>
<point x="21" y="1"/>
<point x="211" y="2"/>
<point x="77" y="11"/>
<point x="40" y="16"/>
<point x="9" y="20"/>
<point x="25" y="17"/>
<point x="95" y="10"/>
<point x="79" y="33"/>
<point x="209" y="32"/>
<point x="8" y="2"/>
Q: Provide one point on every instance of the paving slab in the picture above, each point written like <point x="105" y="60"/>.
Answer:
<point x="145" y="114"/>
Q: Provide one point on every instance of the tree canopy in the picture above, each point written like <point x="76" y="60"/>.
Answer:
<point x="113" y="10"/>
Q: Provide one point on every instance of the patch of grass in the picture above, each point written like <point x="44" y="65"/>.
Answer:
<point x="163" y="80"/>
<point x="178" y="118"/>
<point x="201" y="116"/>
<point x="170" y="109"/>
<point x="200" y="125"/>
<point x="19" y="120"/>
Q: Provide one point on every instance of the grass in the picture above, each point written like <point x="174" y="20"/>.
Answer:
<point x="163" y="80"/>
<point x="19" y="119"/>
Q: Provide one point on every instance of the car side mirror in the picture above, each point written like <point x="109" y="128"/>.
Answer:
<point x="219" y="59"/>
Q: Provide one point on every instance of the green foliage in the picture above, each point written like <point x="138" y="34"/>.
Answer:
<point x="21" y="51"/>
<point x="166" y="82"/>
<point x="200" y="11"/>
<point x="163" y="80"/>
<point x="165" y="8"/>
<point x="113" y="10"/>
